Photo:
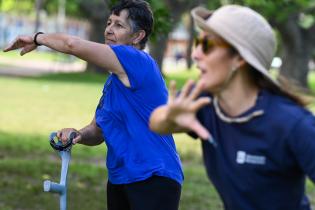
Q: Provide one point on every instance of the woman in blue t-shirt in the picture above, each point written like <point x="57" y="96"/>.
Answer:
<point x="144" y="169"/>
<point x="259" y="140"/>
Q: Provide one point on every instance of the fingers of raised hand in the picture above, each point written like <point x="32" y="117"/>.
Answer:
<point x="200" y="130"/>
<point x="186" y="101"/>
<point x="172" y="91"/>
<point x="200" y="102"/>
<point x="186" y="89"/>
<point x="196" y="91"/>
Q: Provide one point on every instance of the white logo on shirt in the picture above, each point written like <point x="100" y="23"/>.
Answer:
<point x="242" y="157"/>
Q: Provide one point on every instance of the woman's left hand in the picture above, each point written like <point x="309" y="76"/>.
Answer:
<point x="182" y="108"/>
<point x="25" y="42"/>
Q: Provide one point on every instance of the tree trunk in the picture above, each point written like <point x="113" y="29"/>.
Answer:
<point x="97" y="12"/>
<point x="297" y="50"/>
<point x="177" y="8"/>
<point x="295" y="63"/>
<point x="96" y="35"/>
<point x="191" y="29"/>
<point x="38" y="8"/>
<point x="157" y="50"/>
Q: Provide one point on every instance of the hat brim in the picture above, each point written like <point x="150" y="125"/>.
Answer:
<point x="200" y="15"/>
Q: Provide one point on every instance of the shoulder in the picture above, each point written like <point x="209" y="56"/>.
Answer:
<point x="132" y="58"/>
<point x="140" y="67"/>
<point x="121" y="50"/>
<point x="281" y="113"/>
<point x="280" y="106"/>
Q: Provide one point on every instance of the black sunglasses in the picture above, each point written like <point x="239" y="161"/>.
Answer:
<point x="207" y="44"/>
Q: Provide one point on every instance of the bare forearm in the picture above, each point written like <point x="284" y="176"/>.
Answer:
<point x="91" y="52"/>
<point x="59" y="42"/>
<point x="91" y="135"/>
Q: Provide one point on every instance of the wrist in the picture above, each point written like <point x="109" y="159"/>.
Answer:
<point x="35" y="38"/>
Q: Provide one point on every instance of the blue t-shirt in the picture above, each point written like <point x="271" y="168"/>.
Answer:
<point x="261" y="164"/>
<point x="134" y="152"/>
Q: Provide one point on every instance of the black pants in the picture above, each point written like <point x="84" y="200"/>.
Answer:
<point x="155" y="193"/>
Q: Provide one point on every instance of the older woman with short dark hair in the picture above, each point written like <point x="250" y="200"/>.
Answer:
<point x="144" y="169"/>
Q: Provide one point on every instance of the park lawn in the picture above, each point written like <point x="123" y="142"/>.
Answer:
<point x="38" y="55"/>
<point x="31" y="108"/>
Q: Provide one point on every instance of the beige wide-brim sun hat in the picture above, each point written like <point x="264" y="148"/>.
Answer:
<point x="244" y="29"/>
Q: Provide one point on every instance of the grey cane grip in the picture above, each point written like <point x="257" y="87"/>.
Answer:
<point x="58" y="145"/>
<point x="64" y="152"/>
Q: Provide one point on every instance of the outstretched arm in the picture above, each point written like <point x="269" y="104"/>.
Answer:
<point x="179" y="114"/>
<point x="99" y="54"/>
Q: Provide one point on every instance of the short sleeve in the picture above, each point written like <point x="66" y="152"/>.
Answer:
<point x="136" y="63"/>
<point x="302" y="144"/>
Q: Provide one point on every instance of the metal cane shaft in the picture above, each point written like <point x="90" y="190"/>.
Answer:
<point x="65" y="157"/>
<point x="65" y="154"/>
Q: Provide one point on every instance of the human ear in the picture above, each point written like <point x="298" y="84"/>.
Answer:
<point x="238" y="62"/>
<point x="138" y="36"/>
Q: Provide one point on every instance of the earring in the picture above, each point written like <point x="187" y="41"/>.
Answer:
<point x="233" y="69"/>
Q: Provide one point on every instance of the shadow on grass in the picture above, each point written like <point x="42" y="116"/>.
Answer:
<point x="97" y="78"/>
<point x="22" y="185"/>
<point x="27" y="160"/>
<point x="77" y="77"/>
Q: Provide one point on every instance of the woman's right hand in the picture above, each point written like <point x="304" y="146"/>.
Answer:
<point x="25" y="43"/>
<point x="182" y="108"/>
<point x="63" y="135"/>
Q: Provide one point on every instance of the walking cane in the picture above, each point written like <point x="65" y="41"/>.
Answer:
<point x="64" y="152"/>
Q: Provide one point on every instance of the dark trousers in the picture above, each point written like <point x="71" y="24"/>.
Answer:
<point x="155" y="193"/>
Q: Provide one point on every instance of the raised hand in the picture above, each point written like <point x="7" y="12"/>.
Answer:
<point x="25" y="42"/>
<point x="182" y="108"/>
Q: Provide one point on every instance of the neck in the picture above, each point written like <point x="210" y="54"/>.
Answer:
<point x="137" y="46"/>
<point x="238" y="96"/>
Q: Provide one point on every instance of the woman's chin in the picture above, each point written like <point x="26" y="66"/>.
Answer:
<point x="209" y="87"/>
<point x="109" y="42"/>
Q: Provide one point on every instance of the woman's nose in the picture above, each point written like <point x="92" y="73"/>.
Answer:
<point x="196" y="53"/>
<point x="108" y="29"/>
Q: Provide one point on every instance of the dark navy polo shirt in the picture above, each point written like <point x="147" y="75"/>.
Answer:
<point x="261" y="164"/>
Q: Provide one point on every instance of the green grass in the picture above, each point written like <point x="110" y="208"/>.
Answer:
<point x="181" y="76"/>
<point x="31" y="108"/>
<point x="36" y="55"/>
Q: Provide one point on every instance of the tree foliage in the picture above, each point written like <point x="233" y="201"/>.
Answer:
<point x="162" y="23"/>
<point x="294" y="20"/>
<point x="24" y="6"/>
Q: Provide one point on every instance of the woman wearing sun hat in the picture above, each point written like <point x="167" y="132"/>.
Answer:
<point x="259" y="140"/>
